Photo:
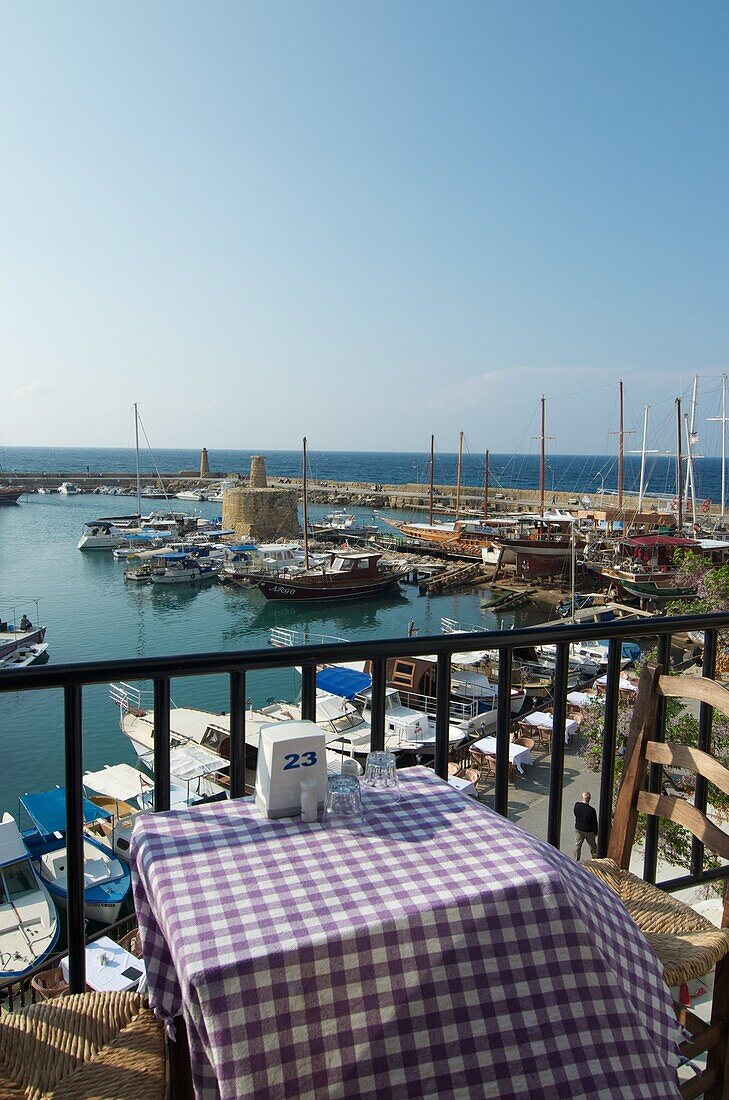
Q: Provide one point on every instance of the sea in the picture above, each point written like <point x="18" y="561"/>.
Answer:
<point x="92" y="614"/>
<point x="588" y="475"/>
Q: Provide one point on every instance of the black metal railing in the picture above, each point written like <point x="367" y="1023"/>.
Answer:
<point x="72" y="678"/>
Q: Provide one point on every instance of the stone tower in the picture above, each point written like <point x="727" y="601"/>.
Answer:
<point x="259" y="514"/>
<point x="204" y="467"/>
<point x="258" y="478"/>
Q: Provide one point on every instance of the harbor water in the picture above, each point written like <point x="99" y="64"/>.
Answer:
<point x="92" y="614"/>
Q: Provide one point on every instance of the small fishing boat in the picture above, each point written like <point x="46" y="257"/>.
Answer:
<point x="68" y="489"/>
<point x="122" y="792"/>
<point x="25" y="656"/>
<point x="181" y="568"/>
<point x="28" y="918"/>
<point x="107" y="879"/>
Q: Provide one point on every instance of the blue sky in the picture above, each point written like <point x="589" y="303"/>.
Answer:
<point x="360" y="222"/>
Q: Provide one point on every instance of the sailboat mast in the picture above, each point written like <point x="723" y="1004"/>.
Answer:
<point x="642" y="458"/>
<point x="689" y="469"/>
<point x="432" y="469"/>
<point x="458" y="476"/>
<point x="679" y="460"/>
<point x="541" y="465"/>
<point x="486" y="487"/>
<point x="722" y="421"/>
<point x="723" y="445"/>
<point x="306" y="515"/>
<point x="620" y="449"/>
<point x="136" y="446"/>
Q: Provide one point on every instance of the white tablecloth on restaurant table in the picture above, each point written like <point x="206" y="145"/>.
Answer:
<point x="109" y="976"/>
<point x="438" y="951"/>
<point x="541" y="720"/>
<point x="581" y="699"/>
<point x="623" y="683"/>
<point x="465" y="786"/>
<point x="519" y="755"/>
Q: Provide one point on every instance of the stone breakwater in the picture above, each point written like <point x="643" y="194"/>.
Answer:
<point x="349" y="494"/>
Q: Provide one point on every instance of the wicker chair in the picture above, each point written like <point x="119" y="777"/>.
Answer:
<point x="132" y="943"/>
<point x="525" y="742"/>
<point x="48" y="984"/>
<point x="687" y="945"/>
<point x="486" y="766"/>
<point x="90" y="1046"/>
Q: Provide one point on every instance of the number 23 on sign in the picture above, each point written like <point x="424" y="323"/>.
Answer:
<point x="299" y="760"/>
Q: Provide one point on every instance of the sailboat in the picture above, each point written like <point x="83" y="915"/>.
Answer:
<point x="348" y="574"/>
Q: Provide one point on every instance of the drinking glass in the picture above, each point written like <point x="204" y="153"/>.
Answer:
<point x="380" y="781"/>
<point x="343" y="804"/>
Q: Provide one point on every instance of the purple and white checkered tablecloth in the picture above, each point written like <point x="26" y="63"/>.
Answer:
<point x="439" y="951"/>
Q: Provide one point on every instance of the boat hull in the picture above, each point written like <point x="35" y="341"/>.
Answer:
<point x="294" y="590"/>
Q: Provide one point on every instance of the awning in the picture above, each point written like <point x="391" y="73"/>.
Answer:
<point x="343" y="681"/>
<point x="47" y="810"/>
<point x="120" y="781"/>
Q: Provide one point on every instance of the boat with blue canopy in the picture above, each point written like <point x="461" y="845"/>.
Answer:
<point x="107" y="880"/>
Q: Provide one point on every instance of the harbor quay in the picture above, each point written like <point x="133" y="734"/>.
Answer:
<point x="334" y="493"/>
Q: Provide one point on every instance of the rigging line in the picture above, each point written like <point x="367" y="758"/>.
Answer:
<point x="578" y="393"/>
<point x="151" y="454"/>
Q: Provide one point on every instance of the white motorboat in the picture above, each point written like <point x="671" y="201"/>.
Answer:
<point x="192" y="494"/>
<point x="28" y="917"/>
<point x="68" y="489"/>
<point x="101" y="535"/>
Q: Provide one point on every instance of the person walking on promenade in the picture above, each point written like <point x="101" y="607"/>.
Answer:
<point x="585" y="826"/>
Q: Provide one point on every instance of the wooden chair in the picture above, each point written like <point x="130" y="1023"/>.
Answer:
<point x="687" y="945"/>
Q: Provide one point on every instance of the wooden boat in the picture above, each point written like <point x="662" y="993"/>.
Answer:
<point x="28" y="919"/>
<point x="349" y="575"/>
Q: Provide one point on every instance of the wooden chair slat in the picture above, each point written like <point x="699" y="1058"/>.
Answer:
<point x="695" y="687"/>
<point x="677" y="809"/>
<point x="684" y="756"/>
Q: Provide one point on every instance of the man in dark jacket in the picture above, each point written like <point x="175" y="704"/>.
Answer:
<point x="585" y="826"/>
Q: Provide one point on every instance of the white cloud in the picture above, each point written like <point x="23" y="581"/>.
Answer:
<point x="33" y="389"/>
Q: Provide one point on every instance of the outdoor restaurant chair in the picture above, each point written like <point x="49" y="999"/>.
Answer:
<point x="48" y="984"/>
<point x="86" y="1046"/>
<point x="485" y="764"/>
<point x="688" y="946"/>
<point x="527" y="742"/>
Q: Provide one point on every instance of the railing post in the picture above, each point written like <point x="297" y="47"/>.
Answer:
<point x="609" y="734"/>
<point x="161" y="744"/>
<point x="706" y="718"/>
<point x="559" y="718"/>
<point x="442" y="714"/>
<point x="379" y="688"/>
<point x="308" y="693"/>
<point x="73" y="730"/>
<point x="650" y="851"/>
<point x="503" y="733"/>
<point x="237" y="734"/>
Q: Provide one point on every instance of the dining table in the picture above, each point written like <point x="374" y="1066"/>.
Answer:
<point x="519" y="755"/>
<point x="109" y="967"/>
<point x="436" y="950"/>
<point x="540" y="719"/>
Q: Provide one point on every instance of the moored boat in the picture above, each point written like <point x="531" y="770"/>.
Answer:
<point x="28" y="918"/>
<point x="106" y="880"/>
<point x="349" y="575"/>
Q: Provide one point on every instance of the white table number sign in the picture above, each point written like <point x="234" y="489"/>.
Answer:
<point x="287" y="753"/>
